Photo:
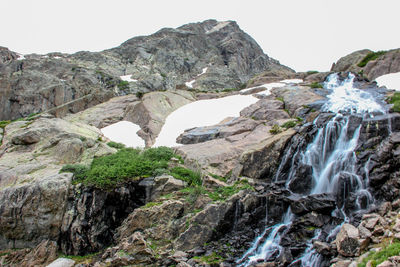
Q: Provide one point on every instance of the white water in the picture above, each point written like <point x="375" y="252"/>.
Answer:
<point x="391" y="81"/>
<point x="124" y="132"/>
<point x="128" y="78"/>
<point x="332" y="157"/>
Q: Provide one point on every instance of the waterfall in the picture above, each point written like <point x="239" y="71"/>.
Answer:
<point x="332" y="158"/>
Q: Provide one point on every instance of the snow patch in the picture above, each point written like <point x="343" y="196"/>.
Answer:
<point x="203" y="71"/>
<point x="20" y="57"/>
<point x="391" y="81"/>
<point x="190" y="84"/>
<point x="127" y="78"/>
<point x="201" y="113"/>
<point x="124" y="132"/>
<point x="218" y="27"/>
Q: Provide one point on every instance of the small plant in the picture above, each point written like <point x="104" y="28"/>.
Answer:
<point x="78" y="170"/>
<point x="280" y="99"/>
<point x="139" y="94"/>
<point x="289" y="124"/>
<point x="163" y="75"/>
<point x="123" y="85"/>
<point x="187" y="175"/>
<point x="310" y="72"/>
<point x="213" y="258"/>
<point x="151" y="204"/>
<point x="3" y="124"/>
<point x="316" y="85"/>
<point x="395" y="100"/>
<point x="116" y="145"/>
<point x="275" y="129"/>
<point x="370" y="56"/>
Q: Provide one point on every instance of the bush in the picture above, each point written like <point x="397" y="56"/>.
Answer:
<point x="189" y="176"/>
<point x="123" y="85"/>
<point x="126" y="164"/>
<point x="289" y="124"/>
<point x="316" y="85"/>
<point x="275" y="129"/>
<point x="139" y="94"/>
<point x="395" y="100"/>
<point x="116" y="145"/>
<point x="3" y="124"/>
<point x="370" y="56"/>
<point x="311" y="72"/>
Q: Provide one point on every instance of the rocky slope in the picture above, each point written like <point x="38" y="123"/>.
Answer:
<point x="206" y="56"/>
<point x="389" y="62"/>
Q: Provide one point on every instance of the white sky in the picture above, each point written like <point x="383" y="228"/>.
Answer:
<point x="303" y="34"/>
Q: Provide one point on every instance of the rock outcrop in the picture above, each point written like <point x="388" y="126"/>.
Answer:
<point x="387" y="63"/>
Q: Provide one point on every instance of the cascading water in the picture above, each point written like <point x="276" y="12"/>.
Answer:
<point x="332" y="158"/>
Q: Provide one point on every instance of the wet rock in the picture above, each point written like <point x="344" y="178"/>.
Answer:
<point x="322" y="247"/>
<point x="347" y="241"/>
<point x="92" y="216"/>
<point x="322" y="203"/>
<point x="302" y="180"/>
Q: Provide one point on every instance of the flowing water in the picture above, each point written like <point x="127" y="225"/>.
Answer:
<point x="331" y="155"/>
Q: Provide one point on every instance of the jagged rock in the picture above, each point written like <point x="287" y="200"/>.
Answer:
<point x="41" y="255"/>
<point x="163" y="185"/>
<point x="62" y="262"/>
<point x="26" y="138"/>
<point x="323" y="203"/>
<point x="302" y="181"/>
<point x="347" y="241"/>
<point x="261" y="161"/>
<point x="386" y="264"/>
<point x="322" y="247"/>
<point x="32" y="212"/>
<point x="92" y="216"/>
<point x="159" y="216"/>
<point x="349" y="62"/>
<point x="364" y="232"/>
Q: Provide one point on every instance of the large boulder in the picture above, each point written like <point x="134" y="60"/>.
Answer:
<point x="348" y="241"/>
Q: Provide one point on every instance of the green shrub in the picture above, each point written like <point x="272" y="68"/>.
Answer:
<point x="280" y="99"/>
<point x="395" y="100"/>
<point x="224" y="192"/>
<point x="123" y="85"/>
<point x="316" y="85"/>
<point x="311" y="72"/>
<point x="370" y="56"/>
<point x="116" y="145"/>
<point x="289" y="124"/>
<point x="78" y="170"/>
<point x="378" y="257"/>
<point x="275" y="129"/>
<point x="187" y="175"/>
<point x="126" y="164"/>
<point x="139" y="94"/>
<point x="3" y="124"/>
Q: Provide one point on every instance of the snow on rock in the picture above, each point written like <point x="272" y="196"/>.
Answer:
<point x="270" y="86"/>
<point x="190" y="84"/>
<point x="127" y="78"/>
<point x="20" y="57"/>
<point x="201" y="113"/>
<point x="218" y="27"/>
<point x="391" y="81"/>
<point x="124" y="132"/>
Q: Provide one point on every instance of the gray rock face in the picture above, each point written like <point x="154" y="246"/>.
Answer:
<point x="350" y="61"/>
<point x="32" y="212"/>
<point x="212" y="54"/>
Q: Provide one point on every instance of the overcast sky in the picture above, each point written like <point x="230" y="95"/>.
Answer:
<point x="302" y="34"/>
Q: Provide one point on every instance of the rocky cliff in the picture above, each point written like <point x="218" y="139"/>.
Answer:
<point x="206" y="56"/>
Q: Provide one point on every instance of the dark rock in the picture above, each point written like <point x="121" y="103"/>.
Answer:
<point x="322" y="203"/>
<point x="92" y="216"/>
<point x="302" y="180"/>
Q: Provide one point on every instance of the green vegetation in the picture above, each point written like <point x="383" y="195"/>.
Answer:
<point x="213" y="258"/>
<point x="316" y="85"/>
<point x="289" y="124"/>
<point x="223" y="179"/>
<point x="370" y="56"/>
<point x="116" y="145"/>
<point x="163" y="75"/>
<point x="79" y="259"/>
<point x="139" y="94"/>
<point x="128" y="164"/>
<point x="380" y="256"/>
<point x="187" y="175"/>
<point x="151" y="204"/>
<point x="30" y="117"/>
<point x="3" y="124"/>
<point x="280" y="99"/>
<point x="395" y="100"/>
<point x="224" y="192"/>
<point x="275" y="129"/>
<point x="312" y="72"/>
<point x="123" y="85"/>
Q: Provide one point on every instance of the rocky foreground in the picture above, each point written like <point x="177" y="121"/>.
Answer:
<point x="52" y="218"/>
